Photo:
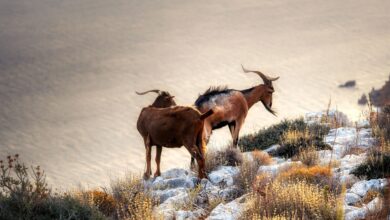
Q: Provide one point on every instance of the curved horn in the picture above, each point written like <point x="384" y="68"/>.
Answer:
<point x="267" y="80"/>
<point x="153" y="90"/>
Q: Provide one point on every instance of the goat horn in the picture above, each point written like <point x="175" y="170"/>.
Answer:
<point x="153" y="90"/>
<point x="266" y="79"/>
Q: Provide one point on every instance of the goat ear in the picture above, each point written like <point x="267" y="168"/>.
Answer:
<point x="273" y="79"/>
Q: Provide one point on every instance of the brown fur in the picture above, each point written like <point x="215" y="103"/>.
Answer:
<point x="231" y="106"/>
<point x="172" y="127"/>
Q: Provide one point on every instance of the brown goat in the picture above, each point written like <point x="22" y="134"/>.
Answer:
<point x="173" y="127"/>
<point x="231" y="106"/>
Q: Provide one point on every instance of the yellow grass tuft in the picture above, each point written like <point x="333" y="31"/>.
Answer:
<point x="300" y="200"/>
<point x="262" y="158"/>
<point x="315" y="174"/>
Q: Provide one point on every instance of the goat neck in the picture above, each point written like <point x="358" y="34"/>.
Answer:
<point x="254" y="94"/>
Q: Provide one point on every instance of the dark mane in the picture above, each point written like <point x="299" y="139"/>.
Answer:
<point x="210" y="92"/>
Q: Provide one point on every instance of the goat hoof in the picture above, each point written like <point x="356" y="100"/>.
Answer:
<point x="157" y="174"/>
<point x="146" y="176"/>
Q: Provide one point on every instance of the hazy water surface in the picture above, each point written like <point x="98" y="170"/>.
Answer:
<point x="69" y="69"/>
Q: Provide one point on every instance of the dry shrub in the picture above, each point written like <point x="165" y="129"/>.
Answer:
<point x="315" y="175"/>
<point x="308" y="156"/>
<point x="102" y="200"/>
<point x="262" y="158"/>
<point x="295" y="141"/>
<point x="226" y="157"/>
<point x="190" y="203"/>
<point x="370" y="195"/>
<point x="24" y="194"/>
<point x="133" y="201"/>
<point x="385" y="211"/>
<point x="245" y="178"/>
<point x="293" y="200"/>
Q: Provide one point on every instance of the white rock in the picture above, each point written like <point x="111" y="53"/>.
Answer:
<point x="163" y="195"/>
<point x="272" y="148"/>
<point x="197" y="214"/>
<point x="351" y="198"/>
<point x="375" y="205"/>
<point x="276" y="168"/>
<point x="355" y="214"/>
<point x="344" y="136"/>
<point x="175" y="173"/>
<point x="360" y="188"/>
<point x="230" y="211"/>
<point x="223" y="175"/>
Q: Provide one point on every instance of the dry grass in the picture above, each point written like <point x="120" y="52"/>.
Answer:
<point x="293" y="200"/>
<point x="190" y="203"/>
<point x="104" y="201"/>
<point x="315" y="175"/>
<point x="247" y="175"/>
<point x="261" y="158"/>
<point x="226" y="157"/>
<point x="133" y="201"/>
<point x="308" y="156"/>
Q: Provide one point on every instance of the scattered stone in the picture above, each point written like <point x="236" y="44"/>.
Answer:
<point x="223" y="175"/>
<point x="351" y="198"/>
<point x="230" y="211"/>
<point x="362" y="187"/>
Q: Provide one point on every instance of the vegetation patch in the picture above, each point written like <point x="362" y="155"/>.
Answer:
<point x="24" y="194"/>
<point x="320" y="175"/>
<point x="293" y="200"/>
<point x="226" y="157"/>
<point x="291" y="135"/>
<point x="376" y="165"/>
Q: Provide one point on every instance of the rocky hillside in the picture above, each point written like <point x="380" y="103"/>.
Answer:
<point x="221" y="196"/>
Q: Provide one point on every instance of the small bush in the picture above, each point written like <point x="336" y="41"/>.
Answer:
<point x="24" y="194"/>
<point x="376" y="165"/>
<point x="261" y="158"/>
<point x="314" y="175"/>
<point x="308" y="156"/>
<point x="293" y="200"/>
<point x="267" y="137"/>
<point x="133" y="201"/>
<point x="102" y="200"/>
<point x="302" y="136"/>
<point x="226" y="157"/>
<point x="383" y="123"/>
<point x="245" y="178"/>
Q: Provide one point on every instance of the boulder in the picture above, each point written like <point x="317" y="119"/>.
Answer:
<point x="362" y="187"/>
<point x="351" y="198"/>
<point x="229" y="211"/>
<point x="223" y="175"/>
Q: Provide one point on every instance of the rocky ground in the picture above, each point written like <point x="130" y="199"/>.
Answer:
<point x="180" y="197"/>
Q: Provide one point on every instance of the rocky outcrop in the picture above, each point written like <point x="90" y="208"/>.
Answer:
<point x="178" y="189"/>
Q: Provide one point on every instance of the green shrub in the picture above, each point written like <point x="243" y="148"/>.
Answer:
<point x="25" y="195"/>
<point x="312" y="136"/>
<point x="226" y="157"/>
<point x="377" y="165"/>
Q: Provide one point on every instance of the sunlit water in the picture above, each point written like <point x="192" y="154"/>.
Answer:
<point x="69" y="69"/>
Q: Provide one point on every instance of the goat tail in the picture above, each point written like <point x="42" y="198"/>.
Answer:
<point x="201" y="143"/>
<point x="206" y="114"/>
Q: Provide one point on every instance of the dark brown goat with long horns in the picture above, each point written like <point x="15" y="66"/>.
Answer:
<point x="172" y="127"/>
<point x="231" y="106"/>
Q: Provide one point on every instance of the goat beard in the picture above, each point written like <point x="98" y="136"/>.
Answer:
<point x="268" y="108"/>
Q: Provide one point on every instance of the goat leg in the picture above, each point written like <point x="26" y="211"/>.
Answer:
<point x="158" y="160"/>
